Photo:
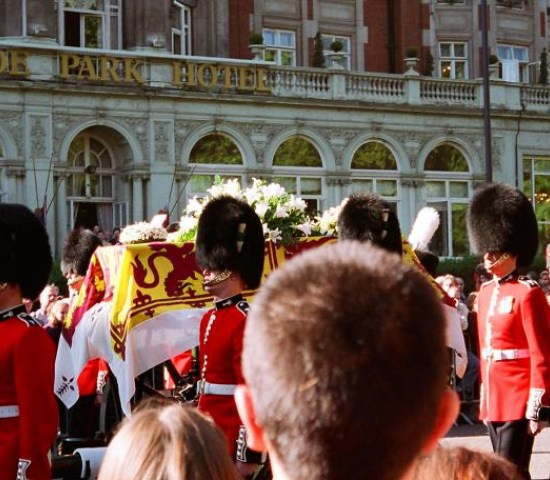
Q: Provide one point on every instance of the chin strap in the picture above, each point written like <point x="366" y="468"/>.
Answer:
<point x="501" y="260"/>
<point x="221" y="277"/>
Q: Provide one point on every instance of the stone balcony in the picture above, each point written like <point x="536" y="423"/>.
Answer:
<point x="21" y="60"/>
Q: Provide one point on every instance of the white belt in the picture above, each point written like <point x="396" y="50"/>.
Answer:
<point x="207" y="388"/>
<point x="510" y="354"/>
<point x="9" y="411"/>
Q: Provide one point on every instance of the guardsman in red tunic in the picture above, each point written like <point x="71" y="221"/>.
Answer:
<point x="514" y="323"/>
<point x="230" y="252"/>
<point x="28" y="410"/>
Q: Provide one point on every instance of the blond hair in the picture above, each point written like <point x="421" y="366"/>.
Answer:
<point x="168" y="442"/>
<point x="464" y="464"/>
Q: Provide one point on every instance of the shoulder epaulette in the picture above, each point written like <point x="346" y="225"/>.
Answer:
<point x="29" y="319"/>
<point x="244" y="307"/>
<point x="528" y="281"/>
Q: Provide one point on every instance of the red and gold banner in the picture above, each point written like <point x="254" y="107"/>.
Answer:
<point x="144" y="281"/>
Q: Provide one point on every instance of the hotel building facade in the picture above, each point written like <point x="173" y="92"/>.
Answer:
<point x="111" y="110"/>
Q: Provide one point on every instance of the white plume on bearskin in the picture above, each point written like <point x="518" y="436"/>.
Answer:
<point x="424" y="228"/>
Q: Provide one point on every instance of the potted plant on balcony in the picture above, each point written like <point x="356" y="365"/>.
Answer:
<point x="336" y="54"/>
<point x="256" y="45"/>
<point x="493" y="66"/>
<point x="411" y="60"/>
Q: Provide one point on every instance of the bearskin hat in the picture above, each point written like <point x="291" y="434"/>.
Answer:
<point x="230" y="237"/>
<point x="25" y="255"/>
<point x="369" y="218"/>
<point x="78" y="249"/>
<point x="501" y="219"/>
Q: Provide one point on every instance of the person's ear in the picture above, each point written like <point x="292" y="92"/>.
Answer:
<point x="245" y="406"/>
<point x="449" y="407"/>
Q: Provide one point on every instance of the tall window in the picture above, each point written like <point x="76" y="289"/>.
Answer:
<point x="213" y="155"/>
<point x="536" y="185"/>
<point x="514" y="61"/>
<point x="453" y="60"/>
<point x="91" y="171"/>
<point x="180" y="18"/>
<point x="91" y="184"/>
<point x="90" y="24"/>
<point x="280" y="46"/>
<point x="448" y="189"/>
<point x="297" y="165"/>
<point x="346" y="50"/>
<point x="374" y="169"/>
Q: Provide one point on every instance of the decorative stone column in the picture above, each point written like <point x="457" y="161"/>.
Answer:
<point x="137" y="198"/>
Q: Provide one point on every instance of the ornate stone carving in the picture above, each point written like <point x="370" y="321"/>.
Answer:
<point x="162" y="141"/>
<point x="14" y="123"/>
<point x="38" y="137"/>
<point x="139" y="126"/>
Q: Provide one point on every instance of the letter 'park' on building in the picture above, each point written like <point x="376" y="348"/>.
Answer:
<point x="113" y="109"/>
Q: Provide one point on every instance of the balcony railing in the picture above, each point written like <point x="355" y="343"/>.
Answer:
<point x="21" y="61"/>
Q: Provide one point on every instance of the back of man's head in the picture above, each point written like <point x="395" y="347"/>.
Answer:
<point x="345" y="359"/>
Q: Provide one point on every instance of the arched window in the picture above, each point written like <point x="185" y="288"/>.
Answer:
<point x="91" y="171"/>
<point x="214" y="155"/>
<point x="536" y="185"/>
<point x="297" y="164"/>
<point x="91" y="182"/>
<point x="448" y="189"/>
<point x="297" y="152"/>
<point x="374" y="169"/>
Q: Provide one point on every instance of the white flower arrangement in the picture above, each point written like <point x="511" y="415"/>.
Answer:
<point x="142" y="232"/>
<point x="283" y="215"/>
<point x="326" y="224"/>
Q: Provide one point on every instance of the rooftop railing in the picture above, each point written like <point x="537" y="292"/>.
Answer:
<point x="23" y="60"/>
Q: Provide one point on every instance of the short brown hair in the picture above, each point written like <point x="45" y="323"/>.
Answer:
<point x="345" y="358"/>
<point x="168" y="442"/>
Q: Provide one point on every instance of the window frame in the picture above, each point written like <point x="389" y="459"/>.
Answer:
<point x="447" y="199"/>
<point x="109" y="15"/>
<point x="100" y="172"/>
<point x="278" y="47"/>
<point x="184" y="31"/>
<point x="543" y="225"/>
<point x="453" y="59"/>
<point x="345" y="61"/>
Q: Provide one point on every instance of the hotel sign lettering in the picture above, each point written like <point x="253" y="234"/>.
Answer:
<point x="137" y="71"/>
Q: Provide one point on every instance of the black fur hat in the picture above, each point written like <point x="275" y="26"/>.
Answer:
<point x="230" y="237"/>
<point x="78" y="249"/>
<point x="25" y="255"/>
<point x="501" y="219"/>
<point x="369" y="218"/>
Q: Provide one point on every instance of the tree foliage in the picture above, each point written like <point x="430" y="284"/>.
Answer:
<point x="446" y="158"/>
<point x="543" y="75"/>
<point x="216" y="148"/>
<point x="374" y="156"/>
<point x="318" y="56"/>
<point x="297" y="152"/>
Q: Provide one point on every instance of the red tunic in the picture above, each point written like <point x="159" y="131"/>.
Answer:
<point x="220" y="362"/>
<point x="26" y="380"/>
<point x="520" y="321"/>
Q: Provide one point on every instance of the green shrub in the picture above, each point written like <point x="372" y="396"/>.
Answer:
<point x="57" y="277"/>
<point x="256" y="38"/>
<point x="336" y="46"/>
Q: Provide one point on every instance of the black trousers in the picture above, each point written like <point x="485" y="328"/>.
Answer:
<point x="512" y="441"/>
